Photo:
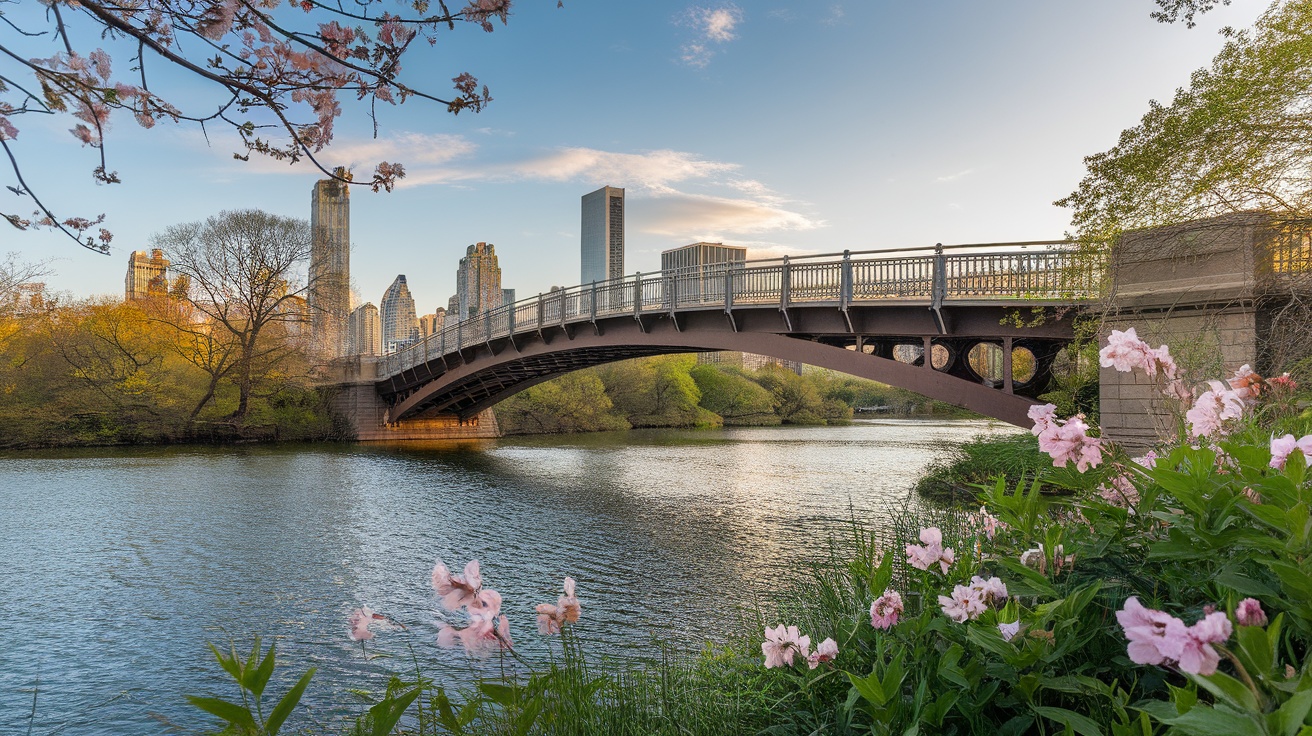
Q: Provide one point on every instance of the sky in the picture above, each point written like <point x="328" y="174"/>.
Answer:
<point x="786" y="128"/>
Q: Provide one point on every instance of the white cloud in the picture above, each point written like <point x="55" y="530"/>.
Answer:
<point x="712" y="218"/>
<point x="958" y="175"/>
<point x="835" y="15"/>
<point x="711" y="25"/>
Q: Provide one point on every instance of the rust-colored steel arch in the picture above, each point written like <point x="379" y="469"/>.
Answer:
<point x="471" y="380"/>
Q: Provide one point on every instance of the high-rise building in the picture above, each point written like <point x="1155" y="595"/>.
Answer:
<point x="602" y="235"/>
<point x="431" y="324"/>
<point x="330" y="266"/>
<point x="478" y="280"/>
<point x="364" y="330"/>
<point x="698" y="270"/>
<point x="148" y="275"/>
<point x="507" y="296"/>
<point x="397" y="312"/>
<point x="453" y="308"/>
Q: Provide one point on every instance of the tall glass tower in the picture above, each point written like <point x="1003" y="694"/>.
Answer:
<point x="478" y="281"/>
<point x="602" y="240"/>
<point x="397" y="313"/>
<point x="330" y="267"/>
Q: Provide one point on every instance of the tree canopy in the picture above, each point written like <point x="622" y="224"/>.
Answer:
<point x="276" y="74"/>
<point x="1239" y="137"/>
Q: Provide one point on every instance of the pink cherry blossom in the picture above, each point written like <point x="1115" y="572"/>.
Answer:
<point x="1125" y="352"/>
<point x="1146" y="630"/>
<point x="1009" y="631"/>
<point x="457" y="590"/>
<point x="1250" y="613"/>
<point x="782" y="644"/>
<point x="482" y="636"/>
<point x="886" y="609"/>
<point x="827" y="651"/>
<point x="1042" y="415"/>
<point x="964" y="604"/>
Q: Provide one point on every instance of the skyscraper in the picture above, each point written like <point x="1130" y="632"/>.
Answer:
<point x="478" y="280"/>
<point x="330" y="266"/>
<point x="397" y="312"/>
<point x="148" y="276"/>
<point x="602" y="235"/>
<point x="364" y="331"/>
<point x="453" y="308"/>
<point x="507" y="296"/>
<point x="431" y="324"/>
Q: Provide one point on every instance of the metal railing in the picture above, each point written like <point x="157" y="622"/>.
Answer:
<point x="1008" y="271"/>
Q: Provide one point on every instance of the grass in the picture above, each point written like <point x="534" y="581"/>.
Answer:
<point x="980" y="462"/>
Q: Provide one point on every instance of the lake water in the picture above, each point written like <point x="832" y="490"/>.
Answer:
<point x="119" y="565"/>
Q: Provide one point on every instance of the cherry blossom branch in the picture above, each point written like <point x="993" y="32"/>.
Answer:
<point x="89" y="244"/>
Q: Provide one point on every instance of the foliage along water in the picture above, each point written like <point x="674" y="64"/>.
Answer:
<point x="121" y="564"/>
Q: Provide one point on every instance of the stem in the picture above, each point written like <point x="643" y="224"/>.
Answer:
<point x="1243" y="673"/>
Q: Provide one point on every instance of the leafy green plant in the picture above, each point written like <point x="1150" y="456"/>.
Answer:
<point x="252" y="674"/>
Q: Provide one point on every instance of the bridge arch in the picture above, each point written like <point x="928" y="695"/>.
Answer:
<point x="468" y="381"/>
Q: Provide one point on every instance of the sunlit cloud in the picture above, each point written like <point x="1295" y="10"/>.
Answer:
<point x="713" y="218"/>
<point x="711" y="26"/>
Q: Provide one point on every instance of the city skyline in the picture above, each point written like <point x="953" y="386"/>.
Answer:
<point x="933" y="123"/>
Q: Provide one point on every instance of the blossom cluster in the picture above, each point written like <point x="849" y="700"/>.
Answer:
<point x="932" y="552"/>
<point x="968" y="602"/>
<point x="488" y="628"/>
<point x="1126" y="352"/>
<point x="565" y="611"/>
<point x="886" y="609"/>
<point x="1157" y="637"/>
<point x="1065" y="440"/>
<point x="784" y="643"/>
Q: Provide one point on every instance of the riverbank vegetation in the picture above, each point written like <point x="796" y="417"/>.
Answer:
<point x="676" y="391"/>
<point x="1169" y="592"/>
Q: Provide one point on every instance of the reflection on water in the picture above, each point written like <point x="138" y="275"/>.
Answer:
<point x="122" y="564"/>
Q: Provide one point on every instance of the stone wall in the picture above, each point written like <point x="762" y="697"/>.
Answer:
<point x="358" y="406"/>
<point x="1193" y="287"/>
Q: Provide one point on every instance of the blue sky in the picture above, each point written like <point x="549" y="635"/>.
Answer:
<point x="787" y="128"/>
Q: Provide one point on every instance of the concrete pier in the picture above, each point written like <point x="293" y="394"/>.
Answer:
<point x="359" y="407"/>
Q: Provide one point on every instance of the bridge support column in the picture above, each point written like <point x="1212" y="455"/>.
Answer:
<point x="1193" y="287"/>
<point x="362" y="414"/>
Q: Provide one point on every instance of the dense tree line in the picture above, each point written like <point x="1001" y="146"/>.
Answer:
<point x="674" y="391"/>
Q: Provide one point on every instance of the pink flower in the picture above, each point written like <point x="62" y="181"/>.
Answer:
<point x="886" y="609"/>
<point x="457" y="590"/>
<point x="1069" y="441"/>
<point x="1042" y="415"/>
<point x="991" y="591"/>
<point x="1250" y="613"/>
<point x="924" y="557"/>
<point x="1009" y="631"/>
<point x="1125" y="352"/>
<point x="1283" y="383"/>
<point x="1281" y="447"/>
<point x="1148" y="460"/>
<point x="483" y="635"/>
<point x="1121" y="493"/>
<point x="1212" y="408"/>
<point x="1146" y="630"/>
<point x="964" y="603"/>
<point x="825" y="652"/>
<point x="360" y="619"/>
<point x="988" y="523"/>
<point x="782" y="645"/>
<point x="1157" y="638"/>
<point x="566" y="610"/>
<point x="1177" y="390"/>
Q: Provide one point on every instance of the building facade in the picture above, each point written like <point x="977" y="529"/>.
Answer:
<point x="330" y="267"/>
<point x="507" y="296"/>
<point x="601" y="243"/>
<point x="397" y="313"/>
<point x="453" y="309"/>
<point x="364" y="331"/>
<point x="478" y="280"/>
<point x="699" y="269"/>
<point x="148" y="275"/>
<point x="431" y="324"/>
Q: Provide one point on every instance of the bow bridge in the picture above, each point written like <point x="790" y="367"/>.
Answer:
<point x="971" y="309"/>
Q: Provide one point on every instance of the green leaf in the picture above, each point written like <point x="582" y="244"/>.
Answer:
<point x="1245" y="585"/>
<point x="230" y="666"/>
<point x="1227" y="688"/>
<point x="257" y="678"/>
<point x="1205" y="720"/>
<point x="1291" y="716"/>
<point x="949" y="670"/>
<point x="1082" y="725"/>
<point x="502" y="695"/>
<point x="230" y="712"/>
<point x="389" y="711"/>
<point x="1254" y="650"/>
<point x="870" y="687"/>
<point x="288" y="702"/>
